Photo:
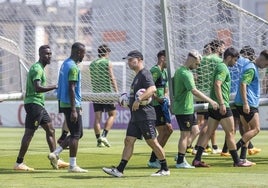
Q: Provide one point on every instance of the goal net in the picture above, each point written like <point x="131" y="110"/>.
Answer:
<point x="145" y="25"/>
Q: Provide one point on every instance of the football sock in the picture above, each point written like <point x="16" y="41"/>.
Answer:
<point x="104" y="133"/>
<point x="215" y="147"/>
<point x="19" y="160"/>
<point x="97" y="136"/>
<point x="163" y="164"/>
<point x="73" y="161"/>
<point x="234" y="156"/>
<point x="243" y="153"/>
<point x="153" y="157"/>
<point x="239" y="144"/>
<point x="225" y="147"/>
<point x="122" y="165"/>
<point x="180" y="158"/>
<point x="199" y="153"/>
<point x="58" y="150"/>
<point x="250" y="145"/>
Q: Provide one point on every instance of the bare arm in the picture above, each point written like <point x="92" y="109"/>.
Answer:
<point x="243" y="91"/>
<point x="147" y="94"/>
<point x="202" y="96"/>
<point x="72" y="100"/>
<point x="41" y="89"/>
<point x="112" y="77"/>
<point x="218" y="92"/>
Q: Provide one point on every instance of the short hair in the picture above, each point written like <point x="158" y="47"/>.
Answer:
<point x="265" y="54"/>
<point x="43" y="47"/>
<point x="77" y="46"/>
<point x="248" y="51"/>
<point x="215" y="44"/>
<point x="161" y="53"/>
<point x="231" y="51"/>
<point x="103" y="50"/>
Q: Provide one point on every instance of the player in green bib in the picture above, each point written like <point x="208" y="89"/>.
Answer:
<point x="160" y="103"/>
<point x="220" y="91"/>
<point x="34" y="100"/>
<point x="183" y="105"/>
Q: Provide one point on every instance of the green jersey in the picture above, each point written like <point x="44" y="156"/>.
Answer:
<point x="36" y="72"/>
<point x="183" y="85"/>
<point x="161" y="82"/>
<point x="222" y="74"/>
<point x="100" y="76"/>
<point x="205" y="71"/>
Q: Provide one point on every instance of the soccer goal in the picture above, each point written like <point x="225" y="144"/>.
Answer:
<point x="12" y="69"/>
<point x="191" y="24"/>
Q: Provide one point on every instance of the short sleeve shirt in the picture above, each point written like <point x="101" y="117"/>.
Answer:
<point x="144" y="80"/>
<point x="36" y="72"/>
<point x="183" y="85"/>
<point x="221" y="73"/>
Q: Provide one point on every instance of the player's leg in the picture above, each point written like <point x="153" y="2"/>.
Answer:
<point x="98" y="108"/>
<point x="64" y="132"/>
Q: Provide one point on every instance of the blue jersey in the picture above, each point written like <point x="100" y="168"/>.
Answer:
<point x="236" y="71"/>
<point x="69" y="71"/>
<point x="253" y="86"/>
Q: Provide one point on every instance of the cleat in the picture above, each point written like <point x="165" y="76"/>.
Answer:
<point x="62" y="164"/>
<point x="197" y="163"/>
<point x="208" y="149"/>
<point x="184" y="164"/>
<point x="22" y="167"/>
<point x="76" y="169"/>
<point x="225" y="154"/>
<point x="53" y="160"/>
<point x="112" y="171"/>
<point x="161" y="173"/>
<point x="155" y="164"/>
<point x="189" y="150"/>
<point x="254" y="151"/>
<point x="247" y="161"/>
<point x="100" y="144"/>
<point x="243" y="163"/>
<point x="216" y="151"/>
<point x="104" y="141"/>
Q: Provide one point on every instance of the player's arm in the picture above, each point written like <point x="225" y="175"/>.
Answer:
<point x="41" y="89"/>
<point x="247" y="78"/>
<point x="218" y="92"/>
<point x="73" y="78"/>
<point x="112" y="77"/>
<point x="203" y="97"/>
<point x="148" y="93"/>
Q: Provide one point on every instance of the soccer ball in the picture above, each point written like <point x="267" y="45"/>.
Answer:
<point x="139" y="93"/>
<point x="124" y="100"/>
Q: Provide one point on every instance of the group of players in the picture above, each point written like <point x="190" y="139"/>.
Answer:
<point x="146" y="119"/>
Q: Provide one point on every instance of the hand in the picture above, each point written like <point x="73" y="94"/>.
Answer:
<point x="222" y="109"/>
<point x="246" y="108"/>
<point x="74" y="116"/>
<point x="135" y="105"/>
<point x="214" y="105"/>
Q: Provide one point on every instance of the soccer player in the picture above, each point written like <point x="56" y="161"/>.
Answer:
<point x="220" y="91"/>
<point x="161" y="105"/>
<point x="204" y="77"/>
<point x="36" y="114"/>
<point x="143" y="117"/>
<point x="183" y="106"/>
<point x="247" y="101"/>
<point x="103" y="81"/>
<point x="69" y="96"/>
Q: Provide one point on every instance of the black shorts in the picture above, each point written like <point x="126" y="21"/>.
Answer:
<point x="76" y="129"/>
<point x="186" y="122"/>
<point x="235" y="113"/>
<point x="160" y="117"/>
<point x="35" y="115"/>
<point x="215" y="114"/>
<point x="142" y="128"/>
<point x="103" y="107"/>
<point x="249" y="116"/>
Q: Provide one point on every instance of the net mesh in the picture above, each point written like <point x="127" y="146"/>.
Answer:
<point x="124" y="26"/>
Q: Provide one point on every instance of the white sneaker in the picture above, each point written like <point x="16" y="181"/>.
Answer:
<point x="104" y="141"/>
<point x="76" y="169"/>
<point x="53" y="160"/>
<point x="195" y="151"/>
<point x="161" y="173"/>
<point x="22" y="167"/>
<point x="113" y="172"/>
<point x="184" y="164"/>
<point x="216" y="151"/>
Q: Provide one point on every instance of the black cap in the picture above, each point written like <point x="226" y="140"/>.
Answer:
<point x="134" y="54"/>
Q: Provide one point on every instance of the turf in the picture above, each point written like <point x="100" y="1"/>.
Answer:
<point x="137" y="174"/>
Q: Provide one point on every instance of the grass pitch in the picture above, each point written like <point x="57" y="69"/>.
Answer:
<point x="137" y="174"/>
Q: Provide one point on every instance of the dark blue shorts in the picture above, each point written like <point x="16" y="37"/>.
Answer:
<point x="215" y="114"/>
<point x="249" y="116"/>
